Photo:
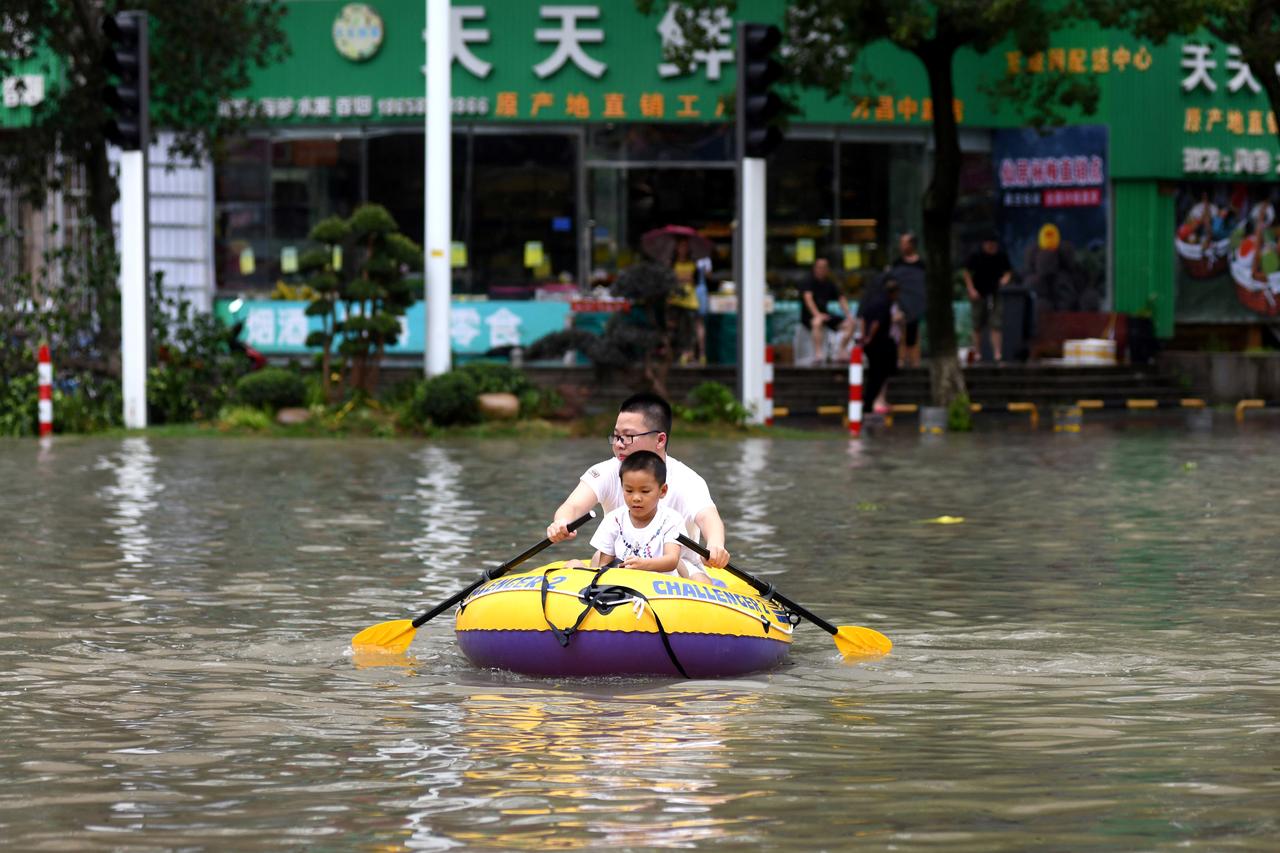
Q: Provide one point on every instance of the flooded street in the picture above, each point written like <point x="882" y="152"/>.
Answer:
<point x="1088" y="661"/>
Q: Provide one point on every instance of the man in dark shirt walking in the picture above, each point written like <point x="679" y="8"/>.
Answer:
<point x="875" y="321"/>
<point x="986" y="271"/>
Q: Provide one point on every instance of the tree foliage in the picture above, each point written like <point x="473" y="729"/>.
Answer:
<point x="361" y="291"/>
<point x="638" y="342"/>
<point x="201" y="52"/>
<point x="823" y="44"/>
<point x="1251" y="25"/>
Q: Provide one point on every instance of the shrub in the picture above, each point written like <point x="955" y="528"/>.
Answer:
<point x="88" y="406"/>
<point x="271" y="388"/>
<point x="713" y="402"/>
<point x="18" y="399"/>
<point x="447" y="399"/>
<point x="960" y="415"/>
<point x="245" y="417"/>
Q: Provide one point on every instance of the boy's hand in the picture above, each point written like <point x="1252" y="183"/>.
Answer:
<point x="575" y="564"/>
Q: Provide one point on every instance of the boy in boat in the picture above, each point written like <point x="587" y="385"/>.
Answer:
<point x="642" y="534"/>
<point x="644" y="423"/>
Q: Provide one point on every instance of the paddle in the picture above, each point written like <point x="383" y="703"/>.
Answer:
<point x="850" y="639"/>
<point x="395" y="636"/>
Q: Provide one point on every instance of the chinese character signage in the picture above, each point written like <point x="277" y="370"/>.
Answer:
<point x="281" y="327"/>
<point x="1053" y="212"/>
<point x="556" y="62"/>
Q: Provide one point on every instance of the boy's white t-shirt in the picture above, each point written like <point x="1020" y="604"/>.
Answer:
<point x="618" y="535"/>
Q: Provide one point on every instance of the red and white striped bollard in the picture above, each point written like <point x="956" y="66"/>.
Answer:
<point x="855" y="391"/>
<point x="768" y="385"/>
<point x="44" y="373"/>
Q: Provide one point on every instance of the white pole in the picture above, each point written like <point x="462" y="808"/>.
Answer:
<point x="133" y="287"/>
<point x="438" y="201"/>
<point x="751" y="289"/>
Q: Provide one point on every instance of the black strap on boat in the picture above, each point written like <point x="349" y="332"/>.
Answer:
<point x="562" y="635"/>
<point x="603" y="599"/>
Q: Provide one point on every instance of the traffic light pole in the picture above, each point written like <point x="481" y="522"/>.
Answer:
<point x="133" y="286"/>
<point x="751" y="285"/>
<point x="129" y="56"/>
<point x="754" y="108"/>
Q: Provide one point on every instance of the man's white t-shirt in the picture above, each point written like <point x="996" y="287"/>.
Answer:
<point x="687" y="493"/>
<point x="618" y="535"/>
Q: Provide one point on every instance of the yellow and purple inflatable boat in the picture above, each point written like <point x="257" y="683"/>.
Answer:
<point x="556" y="621"/>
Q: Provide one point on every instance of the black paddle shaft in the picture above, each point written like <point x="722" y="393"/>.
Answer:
<point x="496" y="573"/>
<point x="762" y="587"/>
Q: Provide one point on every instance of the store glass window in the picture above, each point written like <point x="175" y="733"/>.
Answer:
<point x="626" y="203"/>
<point x="311" y="180"/>
<point x="801" y="198"/>
<point x="641" y="143"/>
<point x="397" y="172"/>
<point x="522" y="229"/>
<point x="881" y="187"/>
<point x="241" y="214"/>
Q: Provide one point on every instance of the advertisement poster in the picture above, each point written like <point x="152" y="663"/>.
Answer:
<point x="1053" y="212"/>
<point x="1228" y="262"/>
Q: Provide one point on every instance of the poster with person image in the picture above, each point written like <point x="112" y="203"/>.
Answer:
<point x="1225" y="240"/>
<point x="1052" y="212"/>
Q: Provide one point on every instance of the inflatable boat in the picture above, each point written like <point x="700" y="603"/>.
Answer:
<point x="557" y="621"/>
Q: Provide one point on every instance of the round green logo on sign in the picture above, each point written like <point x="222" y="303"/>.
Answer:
<point x="357" y="32"/>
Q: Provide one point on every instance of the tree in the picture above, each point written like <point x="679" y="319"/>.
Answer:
<point x="638" y="343"/>
<point x="1251" y="25"/>
<point x="824" y="40"/>
<point x="202" y="51"/>
<point x="370" y="285"/>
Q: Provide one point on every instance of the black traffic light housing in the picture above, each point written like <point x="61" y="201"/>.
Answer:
<point x="758" y="106"/>
<point x="127" y="91"/>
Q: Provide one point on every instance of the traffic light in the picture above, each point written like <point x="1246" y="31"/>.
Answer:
<point x="126" y="92"/>
<point x="758" y="106"/>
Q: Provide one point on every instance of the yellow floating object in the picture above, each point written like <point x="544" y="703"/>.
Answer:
<point x="946" y="519"/>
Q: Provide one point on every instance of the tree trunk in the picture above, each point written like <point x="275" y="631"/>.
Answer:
<point x="945" y="376"/>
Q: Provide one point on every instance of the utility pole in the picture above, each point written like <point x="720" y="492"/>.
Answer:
<point x="756" y="109"/>
<point x="438" y="198"/>
<point x="127" y="98"/>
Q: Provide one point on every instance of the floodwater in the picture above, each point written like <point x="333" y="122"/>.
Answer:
<point x="1087" y="662"/>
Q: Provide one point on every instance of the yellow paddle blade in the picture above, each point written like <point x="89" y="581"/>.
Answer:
<point x="388" y="637"/>
<point x="854" y="640"/>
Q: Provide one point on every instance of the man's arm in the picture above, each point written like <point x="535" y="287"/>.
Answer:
<point x="581" y="499"/>
<point x="712" y="527"/>
<point x="968" y="283"/>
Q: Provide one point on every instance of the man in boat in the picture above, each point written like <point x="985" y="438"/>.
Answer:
<point x="644" y="423"/>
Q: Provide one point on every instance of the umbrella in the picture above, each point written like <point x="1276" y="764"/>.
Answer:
<point x="660" y="243"/>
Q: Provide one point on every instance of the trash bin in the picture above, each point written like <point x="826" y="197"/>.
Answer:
<point x="1017" y="324"/>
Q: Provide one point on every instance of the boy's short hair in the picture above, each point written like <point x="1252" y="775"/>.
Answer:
<point x="645" y="460"/>
<point x="656" y="410"/>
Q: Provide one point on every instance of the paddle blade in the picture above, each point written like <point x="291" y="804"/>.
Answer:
<point x="386" y="637"/>
<point x="856" y="641"/>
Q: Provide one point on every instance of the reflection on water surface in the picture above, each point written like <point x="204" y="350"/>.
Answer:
<point x="1086" y="663"/>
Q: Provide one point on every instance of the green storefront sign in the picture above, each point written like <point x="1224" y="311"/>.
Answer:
<point x="1184" y="108"/>
<point x="25" y="84"/>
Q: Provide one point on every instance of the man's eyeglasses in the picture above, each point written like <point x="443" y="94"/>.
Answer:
<point x="628" y="440"/>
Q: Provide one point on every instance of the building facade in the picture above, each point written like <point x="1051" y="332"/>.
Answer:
<point x="574" y="135"/>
